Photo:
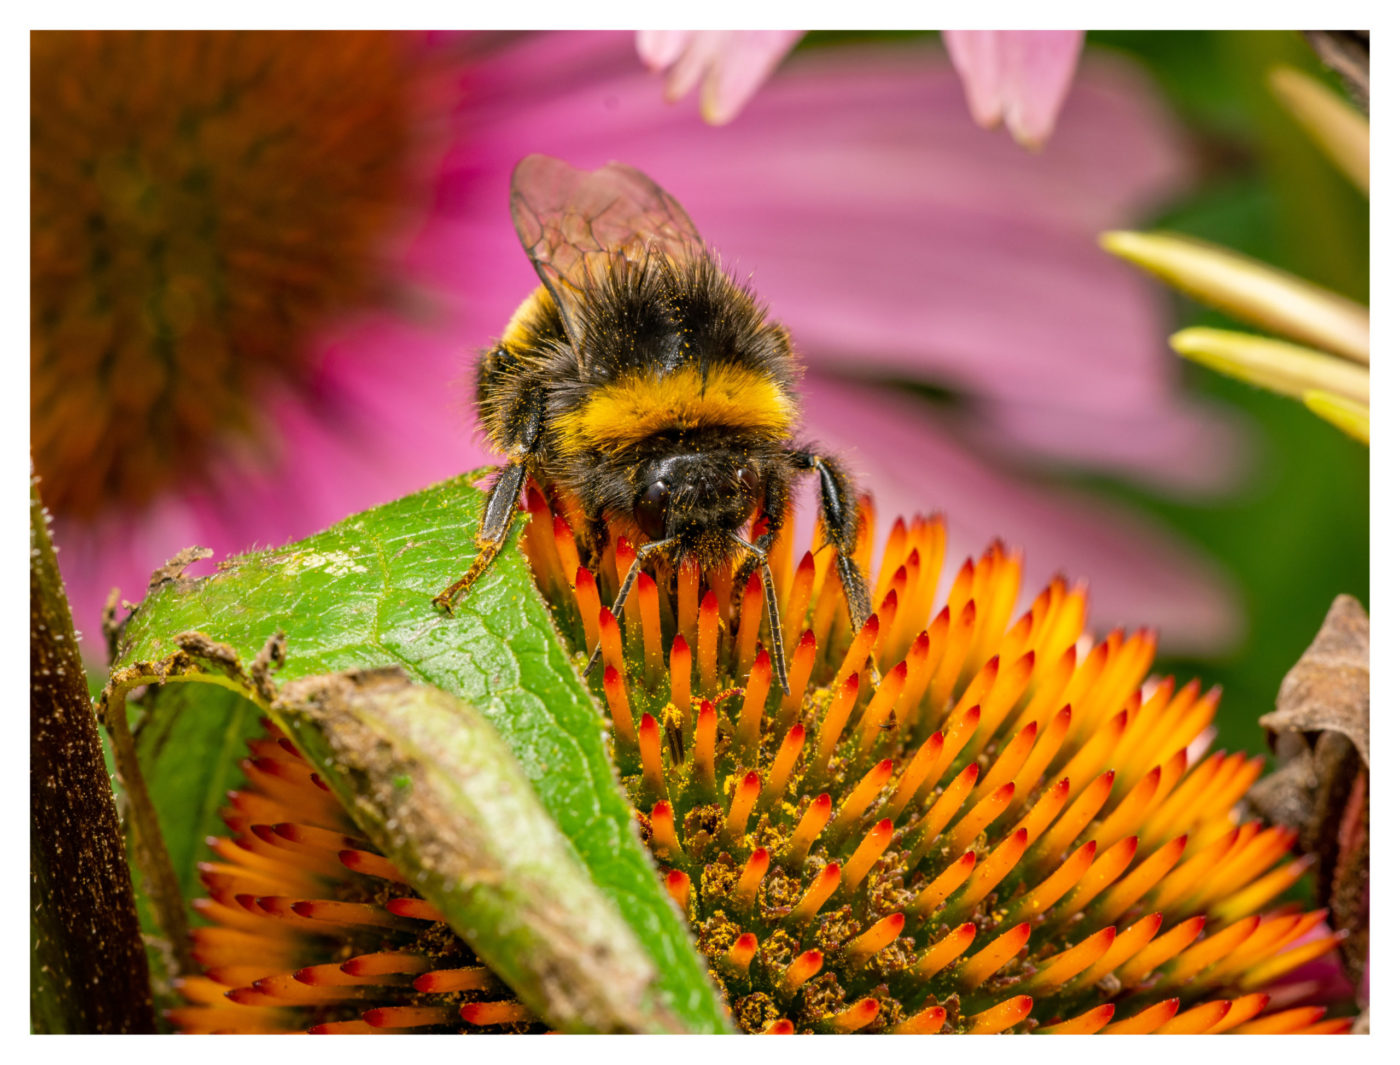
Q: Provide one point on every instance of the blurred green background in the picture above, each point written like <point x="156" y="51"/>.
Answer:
<point x="1296" y="532"/>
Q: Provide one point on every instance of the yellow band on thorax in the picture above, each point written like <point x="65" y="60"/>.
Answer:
<point x="623" y="412"/>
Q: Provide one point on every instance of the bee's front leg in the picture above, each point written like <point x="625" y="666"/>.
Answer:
<point x="495" y="527"/>
<point x="595" y="540"/>
<point x="776" y="497"/>
<point x="501" y="505"/>
<point x="773" y="513"/>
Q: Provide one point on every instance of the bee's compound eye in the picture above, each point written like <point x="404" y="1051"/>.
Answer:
<point x="748" y="480"/>
<point x="650" y="510"/>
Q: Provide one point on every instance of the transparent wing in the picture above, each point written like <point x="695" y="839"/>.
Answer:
<point x="576" y="225"/>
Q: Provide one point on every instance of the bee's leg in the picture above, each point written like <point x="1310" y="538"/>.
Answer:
<point x="758" y="556"/>
<point x="595" y="540"/>
<point x="840" y="519"/>
<point x="643" y="553"/>
<point x="774" y="513"/>
<point x="495" y="527"/>
<point x="500" y="509"/>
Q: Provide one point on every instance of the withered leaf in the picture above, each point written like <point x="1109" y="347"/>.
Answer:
<point x="175" y="568"/>
<point x="1320" y="733"/>
<point x="1329" y="690"/>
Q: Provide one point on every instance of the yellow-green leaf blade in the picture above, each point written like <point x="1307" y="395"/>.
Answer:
<point x="1251" y="290"/>
<point x="1277" y="365"/>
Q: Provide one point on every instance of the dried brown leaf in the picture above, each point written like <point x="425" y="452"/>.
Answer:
<point x="1321" y="737"/>
<point x="1329" y="690"/>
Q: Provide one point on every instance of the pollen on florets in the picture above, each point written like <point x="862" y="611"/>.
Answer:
<point x="998" y="828"/>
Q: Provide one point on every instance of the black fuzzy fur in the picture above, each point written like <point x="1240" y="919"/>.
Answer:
<point x="651" y="316"/>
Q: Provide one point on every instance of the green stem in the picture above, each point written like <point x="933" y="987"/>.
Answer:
<point x="152" y="858"/>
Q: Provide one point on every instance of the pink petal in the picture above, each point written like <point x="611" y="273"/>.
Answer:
<point x="702" y="50"/>
<point x="658" y="49"/>
<point x="1017" y="76"/>
<point x="1190" y="449"/>
<point x="732" y="63"/>
<point x="745" y="64"/>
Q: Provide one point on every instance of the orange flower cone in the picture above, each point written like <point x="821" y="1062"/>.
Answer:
<point x="1003" y="828"/>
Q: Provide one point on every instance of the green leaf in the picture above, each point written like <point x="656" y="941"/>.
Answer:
<point x="358" y="596"/>
<point x="188" y="740"/>
<point x="189" y="743"/>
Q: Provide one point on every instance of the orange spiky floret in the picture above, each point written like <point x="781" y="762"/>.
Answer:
<point x="311" y="929"/>
<point x="996" y="776"/>
<point x="999" y="832"/>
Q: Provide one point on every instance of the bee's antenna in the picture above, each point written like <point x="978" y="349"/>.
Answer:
<point x="775" y="621"/>
<point x="643" y="553"/>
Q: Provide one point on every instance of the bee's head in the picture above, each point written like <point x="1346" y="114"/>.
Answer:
<point x="698" y="498"/>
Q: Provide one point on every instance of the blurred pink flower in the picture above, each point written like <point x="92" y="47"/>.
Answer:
<point x="894" y="239"/>
<point x="1020" y="77"/>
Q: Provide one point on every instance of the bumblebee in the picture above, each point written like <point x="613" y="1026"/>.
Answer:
<point x="647" y="385"/>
